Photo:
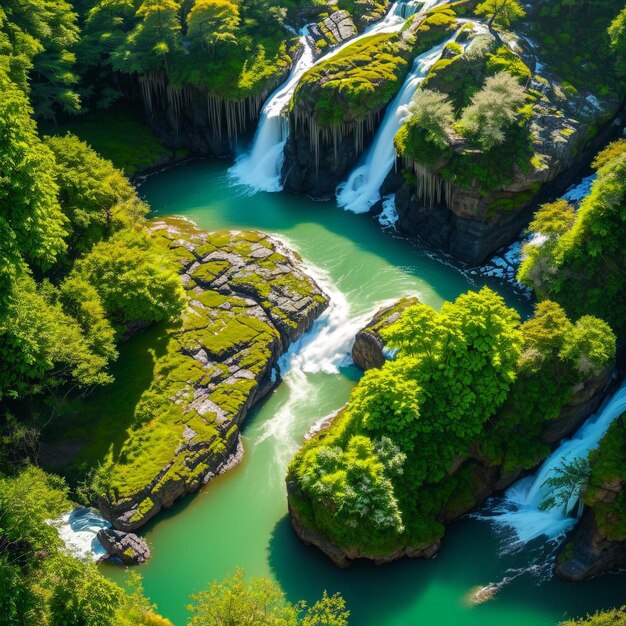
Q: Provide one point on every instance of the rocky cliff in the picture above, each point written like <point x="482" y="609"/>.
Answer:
<point x="468" y="201"/>
<point x="599" y="542"/>
<point x="249" y="299"/>
<point x="339" y="103"/>
<point x="474" y="475"/>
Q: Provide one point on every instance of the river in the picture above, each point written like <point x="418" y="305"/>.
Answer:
<point x="240" y="520"/>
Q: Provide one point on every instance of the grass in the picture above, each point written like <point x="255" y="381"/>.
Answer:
<point x="118" y="134"/>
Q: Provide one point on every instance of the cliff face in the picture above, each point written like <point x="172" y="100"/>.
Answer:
<point x="599" y="542"/>
<point x="591" y="552"/>
<point x="249" y="299"/>
<point x="469" y="203"/>
<point x="339" y="103"/>
<point x="481" y="477"/>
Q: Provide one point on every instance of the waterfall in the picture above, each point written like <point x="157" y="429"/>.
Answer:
<point x="260" y="168"/>
<point x="362" y="189"/>
<point x="79" y="532"/>
<point x="521" y="510"/>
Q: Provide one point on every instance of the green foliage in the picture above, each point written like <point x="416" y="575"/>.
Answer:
<point x="553" y="218"/>
<point x="213" y="22"/>
<point x="614" y="617"/>
<point x="468" y="382"/>
<point x="40" y="344"/>
<point x="569" y="482"/>
<point x="588" y="257"/>
<point x="42" y="583"/>
<point x="493" y="110"/>
<point x="134" y="279"/>
<point x="37" y="40"/>
<point x="261" y="602"/>
<point x="608" y="469"/>
<point x="501" y="12"/>
<point x="356" y="83"/>
<point x="617" y="36"/>
<point x="32" y="225"/>
<point x="452" y="371"/>
<point x="424" y="137"/>
<point x="96" y="198"/>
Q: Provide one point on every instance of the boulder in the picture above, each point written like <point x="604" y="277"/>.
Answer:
<point x="127" y="547"/>
<point x="369" y="348"/>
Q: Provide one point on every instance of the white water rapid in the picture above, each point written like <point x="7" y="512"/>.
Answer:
<point x="324" y="349"/>
<point x="521" y="510"/>
<point x="79" y="532"/>
<point x="362" y="189"/>
<point x="260" y="168"/>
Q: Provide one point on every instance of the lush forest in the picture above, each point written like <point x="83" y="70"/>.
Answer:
<point x="95" y="91"/>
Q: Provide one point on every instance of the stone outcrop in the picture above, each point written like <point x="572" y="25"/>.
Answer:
<point x="369" y="348"/>
<point x="128" y="548"/>
<point x="334" y="117"/>
<point x="487" y="477"/>
<point x="471" y="222"/>
<point x="335" y="29"/>
<point x="590" y="552"/>
<point x="248" y="300"/>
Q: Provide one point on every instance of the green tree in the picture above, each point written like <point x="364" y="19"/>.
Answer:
<point x="42" y="35"/>
<point x="212" y="23"/>
<point x="493" y="110"/>
<point x="156" y="37"/>
<point x="587" y="258"/>
<point x="32" y="224"/>
<point x="501" y="12"/>
<point x="568" y="481"/>
<point x="96" y="198"/>
<point x="136" y="281"/>
<point x="617" y="36"/>
<point x="612" y="617"/>
<point x="234" y="602"/>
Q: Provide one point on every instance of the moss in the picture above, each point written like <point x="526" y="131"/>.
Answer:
<point x="120" y="135"/>
<point x="363" y="78"/>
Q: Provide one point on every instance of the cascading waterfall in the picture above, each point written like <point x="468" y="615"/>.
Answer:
<point x="260" y="168"/>
<point x="362" y="189"/>
<point x="522" y="510"/>
<point x="79" y="532"/>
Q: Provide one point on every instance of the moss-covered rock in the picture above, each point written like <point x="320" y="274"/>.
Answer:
<point x="470" y="201"/>
<point x="248" y="299"/>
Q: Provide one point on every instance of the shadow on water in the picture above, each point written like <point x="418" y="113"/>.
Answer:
<point x="439" y="590"/>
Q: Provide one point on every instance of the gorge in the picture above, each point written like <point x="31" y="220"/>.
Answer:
<point x="258" y="361"/>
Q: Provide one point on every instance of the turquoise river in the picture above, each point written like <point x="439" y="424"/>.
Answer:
<point x="240" y="520"/>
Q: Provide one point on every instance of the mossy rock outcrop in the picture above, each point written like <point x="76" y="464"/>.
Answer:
<point x="469" y="202"/>
<point x="249" y="299"/>
<point x="339" y="102"/>
<point x="471" y="478"/>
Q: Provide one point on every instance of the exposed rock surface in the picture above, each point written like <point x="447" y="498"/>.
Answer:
<point x="590" y="552"/>
<point x="249" y="299"/>
<point x="336" y="29"/>
<point x="487" y="477"/>
<point x="127" y="547"/>
<point x="369" y="348"/>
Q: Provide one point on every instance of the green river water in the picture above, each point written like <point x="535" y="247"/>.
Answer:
<point x="240" y="520"/>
